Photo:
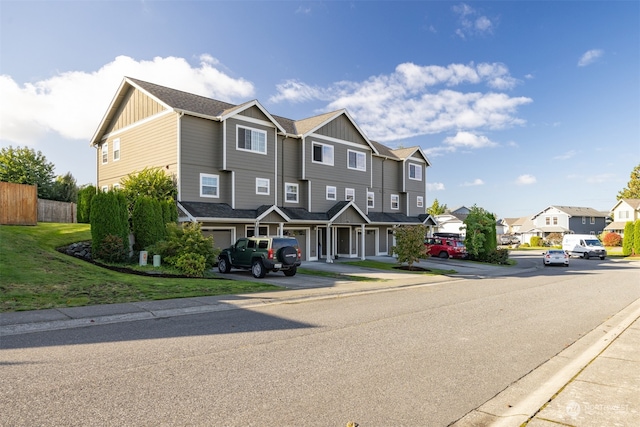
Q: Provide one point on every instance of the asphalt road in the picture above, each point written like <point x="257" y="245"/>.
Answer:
<point x="413" y="356"/>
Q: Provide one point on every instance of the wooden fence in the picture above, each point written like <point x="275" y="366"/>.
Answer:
<point x="19" y="205"/>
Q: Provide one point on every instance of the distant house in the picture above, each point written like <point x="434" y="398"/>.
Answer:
<point x="625" y="210"/>
<point x="563" y="220"/>
<point x="452" y="222"/>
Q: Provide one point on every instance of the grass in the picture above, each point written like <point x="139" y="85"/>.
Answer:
<point x="34" y="276"/>
<point x="381" y="265"/>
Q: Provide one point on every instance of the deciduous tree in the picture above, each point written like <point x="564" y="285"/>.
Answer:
<point x="26" y="166"/>
<point x="410" y="246"/>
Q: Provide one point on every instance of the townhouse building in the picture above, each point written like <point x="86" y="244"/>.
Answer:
<point x="242" y="171"/>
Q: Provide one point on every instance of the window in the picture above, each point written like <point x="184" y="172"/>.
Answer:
<point x="322" y="153"/>
<point x="356" y="160"/>
<point x="116" y="149"/>
<point x="209" y="185"/>
<point x="349" y="194"/>
<point x="105" y="188"/>
<point x="555" y="220"/>
<point x="624" y="214"/>
<point x="331" y="193"/>
<point x="290" y="193"/>
<point x="420" y="202"/>
<point x="262" y="186"/>
<point x="415" y="172"/>
<point x="584" y="219"/>
<point x="105" y="153"/>
<point x="547" y="221"/>
<point x="252" y="140"/>
<point x="371" y="199"/>
<point x="263" y="230"/>
<point x="116" y="186"/>
<point x="593" y="220"/>
<point x="395" y="202"/>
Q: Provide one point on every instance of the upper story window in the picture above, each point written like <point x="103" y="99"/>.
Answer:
<point x="371" y="199"/>
<point x="555" y="220"/>
<point x="252" y="140"/>
<point x="105" y="153"/>
<point x="322" y="153"/>
<point x="209" y="185"/>
<point x="116" y="149"/>
<point x="623" y="214"/>
<point x="349" y="194"/>
<point x="415" y="172"/>
<point x="331" y="192"/>
<point x="290" y="193"/>
<point x="420" y="202"/>
<point x="105" y="188"/>
<point x="356" y="160"/>
<point x="547" y="221"/>
<point x="592" y="220"/>
<point x="262" y="186"/>
<point x="395" y="202"/>
<point x="116" y="186"/>
<point x="584" y="219"/>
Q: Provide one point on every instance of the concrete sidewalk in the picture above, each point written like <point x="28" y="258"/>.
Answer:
<point x="594" y="382"/>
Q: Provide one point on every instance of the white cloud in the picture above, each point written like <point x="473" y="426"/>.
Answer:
<point x="526" y="180"/>
<point x="469" y="140"/>
<point x="470" y="22"/>
<point x="435" y="186"/>
<point x="71" y="104"/>
<point x="475" y="183"/>
<point x="589" y="57"/>
<point x="569" y="154"/>
<point x="404" y="104"/>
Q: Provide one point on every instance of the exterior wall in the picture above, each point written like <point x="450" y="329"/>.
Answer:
<point x="562" y="218"/>
<point x="151" y="143"/>
<point x="136" y="106"/>
<point x="415" y="188"/>
<point x="290" y="171"/>
<point x="625" y="213"/>
<point x="577" y="227"/>
<point x="386" y="181"/>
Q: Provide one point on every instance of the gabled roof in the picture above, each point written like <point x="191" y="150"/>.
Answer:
<point x="573" y="211"/>
<point x="634" y="203"/>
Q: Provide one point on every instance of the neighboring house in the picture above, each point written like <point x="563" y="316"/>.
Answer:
<point x="242" y="171"/>
<point x="452" y="222"/>
<point x="625" y="210"/>
<point x="563" y="220"/>
<point x="509" y="225"/>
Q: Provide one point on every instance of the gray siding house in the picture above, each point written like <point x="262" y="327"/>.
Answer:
<point x="242" y="171"/>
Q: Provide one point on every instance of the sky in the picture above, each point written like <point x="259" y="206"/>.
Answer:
<point x="518" y="105"/>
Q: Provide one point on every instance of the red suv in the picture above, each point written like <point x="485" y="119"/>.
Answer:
<point x="445" y="247"/>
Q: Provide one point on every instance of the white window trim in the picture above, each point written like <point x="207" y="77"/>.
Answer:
<point x="116" y="149"/>
<point x="397" y="202"/>
<point x="116" y="186"/>
<point x="287" y="186"/>
<point x="238" y="127"/>
<point x="331" y="190"/>
<point x="416" y="168"/>
<point x="350" y="191"/>
<point x="358" y="154"/>
<point x="371" y="197"/>
<point x="268" y="185"/>
<point x="105" y="153"/>
<point x="217" y="186"/>
<point x="333" y="153"/>
<point x="420" y="201"/>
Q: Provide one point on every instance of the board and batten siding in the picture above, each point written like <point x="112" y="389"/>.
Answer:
<point x="135" y="107"/>
<point x="147" y="145"/>
<point x="342" y="128"/>
<point x="290" y="169"/>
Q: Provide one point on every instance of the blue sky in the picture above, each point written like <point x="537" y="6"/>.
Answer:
<point x="518" y="105"/>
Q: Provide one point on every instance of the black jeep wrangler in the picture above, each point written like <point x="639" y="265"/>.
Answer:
<point x="261" y="255"/>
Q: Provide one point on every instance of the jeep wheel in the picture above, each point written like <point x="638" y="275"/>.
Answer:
<point x="443" y="255"/>
<point x="223" y="266"/>
<point x="585" y="255"/>
<point x="290" y="272"/>
<point x="257" y="269"/>
<point x="288" y="255"/>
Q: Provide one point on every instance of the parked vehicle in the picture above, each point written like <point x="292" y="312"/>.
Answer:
<point x="555" y="257"/>
<point x="261" y="255"/>
<point x="508" y="239"/>
<point x="584" y="245"/>
<point x="446" y="247"/>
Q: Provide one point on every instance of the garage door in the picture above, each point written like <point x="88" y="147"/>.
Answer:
<point x="221" y="238"/>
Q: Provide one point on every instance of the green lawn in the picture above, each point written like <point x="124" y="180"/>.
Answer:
<point x="33" y="275"/>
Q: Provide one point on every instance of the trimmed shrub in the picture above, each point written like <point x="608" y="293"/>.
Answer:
<point x="112" y="249"/>
<point x="410" y="246"/>
<point x="498" y="256"/>
<point x="535" y="241"/>
<point x="627" y="241"/>
<point x="147" y="222"/>
<point x="481" y="237"/>
<point x="108" y="217"/>
<point x="636" y="237"/>
<point x="169" y="212"/>
<point x="85" y="196"/>
<point x="612" y="239"/>
<point x="554" y="239"/>
<point x="191" y="264"/>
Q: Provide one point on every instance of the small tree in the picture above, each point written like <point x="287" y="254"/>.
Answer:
<point x="627" y="241"/>
<point x="436" y="208"/>
<point x="151" y="182"/>
<point x="85" y="196"/>
<point x="147" y="222"/>
<point x="186" y="248"/>
<point x="108" y="217"/>
<point x="611" y="239"/>
<point x="481" y="238"/>
<point x="632" y="190"/>
<point x="65" y="188"/>
<point x="535" y="241"/>
<point x="410" y="246"/>
<point x="636" y="237"/>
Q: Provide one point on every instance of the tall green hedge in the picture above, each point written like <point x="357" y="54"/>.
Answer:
<point x="169" y="211"/>
<point x="636" y="237"/>
<point x="85" y="196"/>
<point x="147" y="221"/>
<point x="109" y="217"/>
<point x="627" y="240"/>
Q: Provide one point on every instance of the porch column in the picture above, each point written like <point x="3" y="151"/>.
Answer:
<point x="329" y="249"/>
<point x="362" y="241"/>
<point x="281" y="229"/>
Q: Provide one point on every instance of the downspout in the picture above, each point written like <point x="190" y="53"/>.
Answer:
<point x="275" y="157"/>
<point x="179" y="157"/>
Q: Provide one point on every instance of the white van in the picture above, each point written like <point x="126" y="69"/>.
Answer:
<point x="584" y="245"/>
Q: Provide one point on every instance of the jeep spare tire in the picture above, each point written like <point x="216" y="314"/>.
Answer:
<point x="288" y="255"/>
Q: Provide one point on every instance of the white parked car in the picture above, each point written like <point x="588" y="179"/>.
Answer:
<point x="555" y="257"/>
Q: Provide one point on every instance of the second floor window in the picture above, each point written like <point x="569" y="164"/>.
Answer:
<point x="331" y="192"/>
<point x="415" y="172"/>
<point x="209" y="185"/>
<point x="593" y="220"/>
<point x="349" y="194"/>
<point x="252" y="140"/>
<point x="547" y="221"/>
<point x="371" y="199"/>
<point x="555" y="220"/>
<point x="262" y="186"/>
<point x="420" y="202"/>
<point x="291" y="193"/>
<point x="322" y="153"/>
<point x="105" y="153"/>
<point x="116" y="149"/>
<point x="356" y="160"/>
<point x="395" y="202"/>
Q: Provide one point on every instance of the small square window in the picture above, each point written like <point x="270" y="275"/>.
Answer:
<point x="371" y="199"/>
<point x="415" y="172"/>
<point x="395" y="202"/>
<point x="349" y="194"/>
<point x="420" y="201"/>
<point x="116" y="149"/>
<point x="290" y="193"/>
<point x="262" y="186"/>
<point x="209" y="185"/>
<point x="331" y="193"/>
<point x="322" y="153"/>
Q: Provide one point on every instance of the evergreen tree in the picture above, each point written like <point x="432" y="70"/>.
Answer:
<point x="628" y="239"/>
<point x="480" y="239"/>
<point x="632" y="190"/>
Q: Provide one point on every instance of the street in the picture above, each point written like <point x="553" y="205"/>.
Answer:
<point x="412" y="356"/>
